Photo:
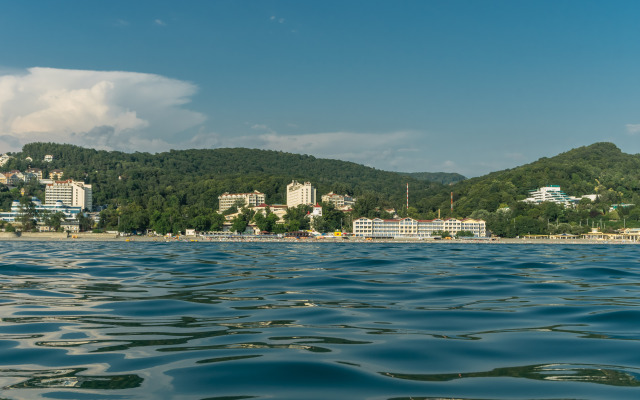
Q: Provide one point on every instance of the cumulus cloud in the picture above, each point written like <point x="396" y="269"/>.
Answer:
<point x="101" y="109"/>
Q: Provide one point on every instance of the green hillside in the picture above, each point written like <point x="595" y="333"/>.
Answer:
<point x="185" y="184"/>
<point x="600" y="168"/>
<point x="173" y="189"/>
<point x="445" y="178"/>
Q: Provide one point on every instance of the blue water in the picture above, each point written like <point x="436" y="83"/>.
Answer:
<point x="140" y="320"/>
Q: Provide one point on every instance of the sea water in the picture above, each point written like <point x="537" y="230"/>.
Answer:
<point x="107" y="320"/>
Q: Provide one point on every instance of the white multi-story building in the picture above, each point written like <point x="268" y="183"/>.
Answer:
<point x="411" y="228"/>
<point x="70" y="213"/>
<point x="338" y="200"/>
<point x="300" y="193"/>
<point x="228" y="200"/>
<point x="70" y="192"/>
<point x="551" y="193"/>
<point x="554" y="194"/>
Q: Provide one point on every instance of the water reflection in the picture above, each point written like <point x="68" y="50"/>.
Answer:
<point x="67" y="378"/>
<point x="608" y="375"/>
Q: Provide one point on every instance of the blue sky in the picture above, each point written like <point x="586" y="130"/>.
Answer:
<point x="457" y="86"/>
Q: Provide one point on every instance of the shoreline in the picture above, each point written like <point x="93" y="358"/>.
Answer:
<point x="109" y="237"/>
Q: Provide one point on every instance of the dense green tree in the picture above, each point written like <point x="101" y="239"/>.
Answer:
<point x="240" y="222"/>
<point x="297" y="218"/>
<point x="52" y="220"/>
<point x="331" y="220"/>
<point x="27" y="214"/>
<point x="85" y="223"/>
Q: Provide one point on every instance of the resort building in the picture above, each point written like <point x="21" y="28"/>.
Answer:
<point x="48" y="158"/>
<point x="300" y="193"/>
<point x="70" y="213"/>
<point x="35" y="171"/>
<point x="338" y="200"/>
<point x="56" y="174"/>
<point x="554" y="194"/>
<point x="228" y="200"/>
<point x="70" y="192"/>
<point x="10" y="178"/>
<point x="411" y="228"/>
<point x="278" y="209"/>
<point x="551" y="193"/>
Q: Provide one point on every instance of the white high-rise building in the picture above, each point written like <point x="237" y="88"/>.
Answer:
<point x="300" y="193"/>
<point x="70" y="192"/>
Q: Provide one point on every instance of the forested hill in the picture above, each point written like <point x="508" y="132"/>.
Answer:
<point x="445" y="178"/>
<point x="156" y="190"/>
<point x="601" y="168"/>
<point x="198" y="177"/>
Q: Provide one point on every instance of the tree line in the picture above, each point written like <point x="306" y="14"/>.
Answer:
<point x="175" y="190"/>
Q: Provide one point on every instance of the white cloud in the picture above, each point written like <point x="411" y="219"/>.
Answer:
<point x="633" y="129"/>
<point x="100" y="109"/>
<point x="160" y="22"/>
<point x="279" y="20"/>
<point x="382" y="150"/>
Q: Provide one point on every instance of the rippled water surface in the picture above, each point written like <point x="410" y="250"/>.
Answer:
<point x="318" y="321"/>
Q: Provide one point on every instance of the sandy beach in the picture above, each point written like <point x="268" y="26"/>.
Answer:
<point x="111" y="237"/>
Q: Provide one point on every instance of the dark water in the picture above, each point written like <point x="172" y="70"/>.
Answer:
<point x="318" y="321"/>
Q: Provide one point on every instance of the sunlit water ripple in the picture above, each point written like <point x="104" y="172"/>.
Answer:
<point x="318" y="321"/>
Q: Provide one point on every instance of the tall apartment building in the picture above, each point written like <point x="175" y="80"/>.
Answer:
<point x="300" y="193"/>
<point x="70" y="192"/>
<point x="228" y="200"/>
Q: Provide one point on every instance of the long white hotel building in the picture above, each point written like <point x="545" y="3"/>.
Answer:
<point x="412" y="228"/>
<point x="228" y="200"/>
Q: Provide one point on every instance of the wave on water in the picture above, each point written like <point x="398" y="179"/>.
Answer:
<point x="318" y="321"/>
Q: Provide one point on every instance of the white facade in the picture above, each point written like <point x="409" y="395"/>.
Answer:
<point x="551" y="193"/>
<point x="338" y="200"/>
<point x="70" y="192"/>
<point x="70" y="213"/>
<point x="554" y="194"/>
<point x="228" y="200"/>
<point x="409" y="227"/>
<point x="3" y="159"/>
<point x="300" y="193"/>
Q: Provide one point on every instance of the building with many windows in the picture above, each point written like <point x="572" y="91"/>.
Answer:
<point x="228" y="200"/>
<point x="338" y="200"/>
<point x="551" y="193"/>
<point x="554" y="194"/>
<point x="70" y="192"/>
<point x="300" y="193"/>
<point x="70" y="213"/>
<point x="411" y="228"/>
